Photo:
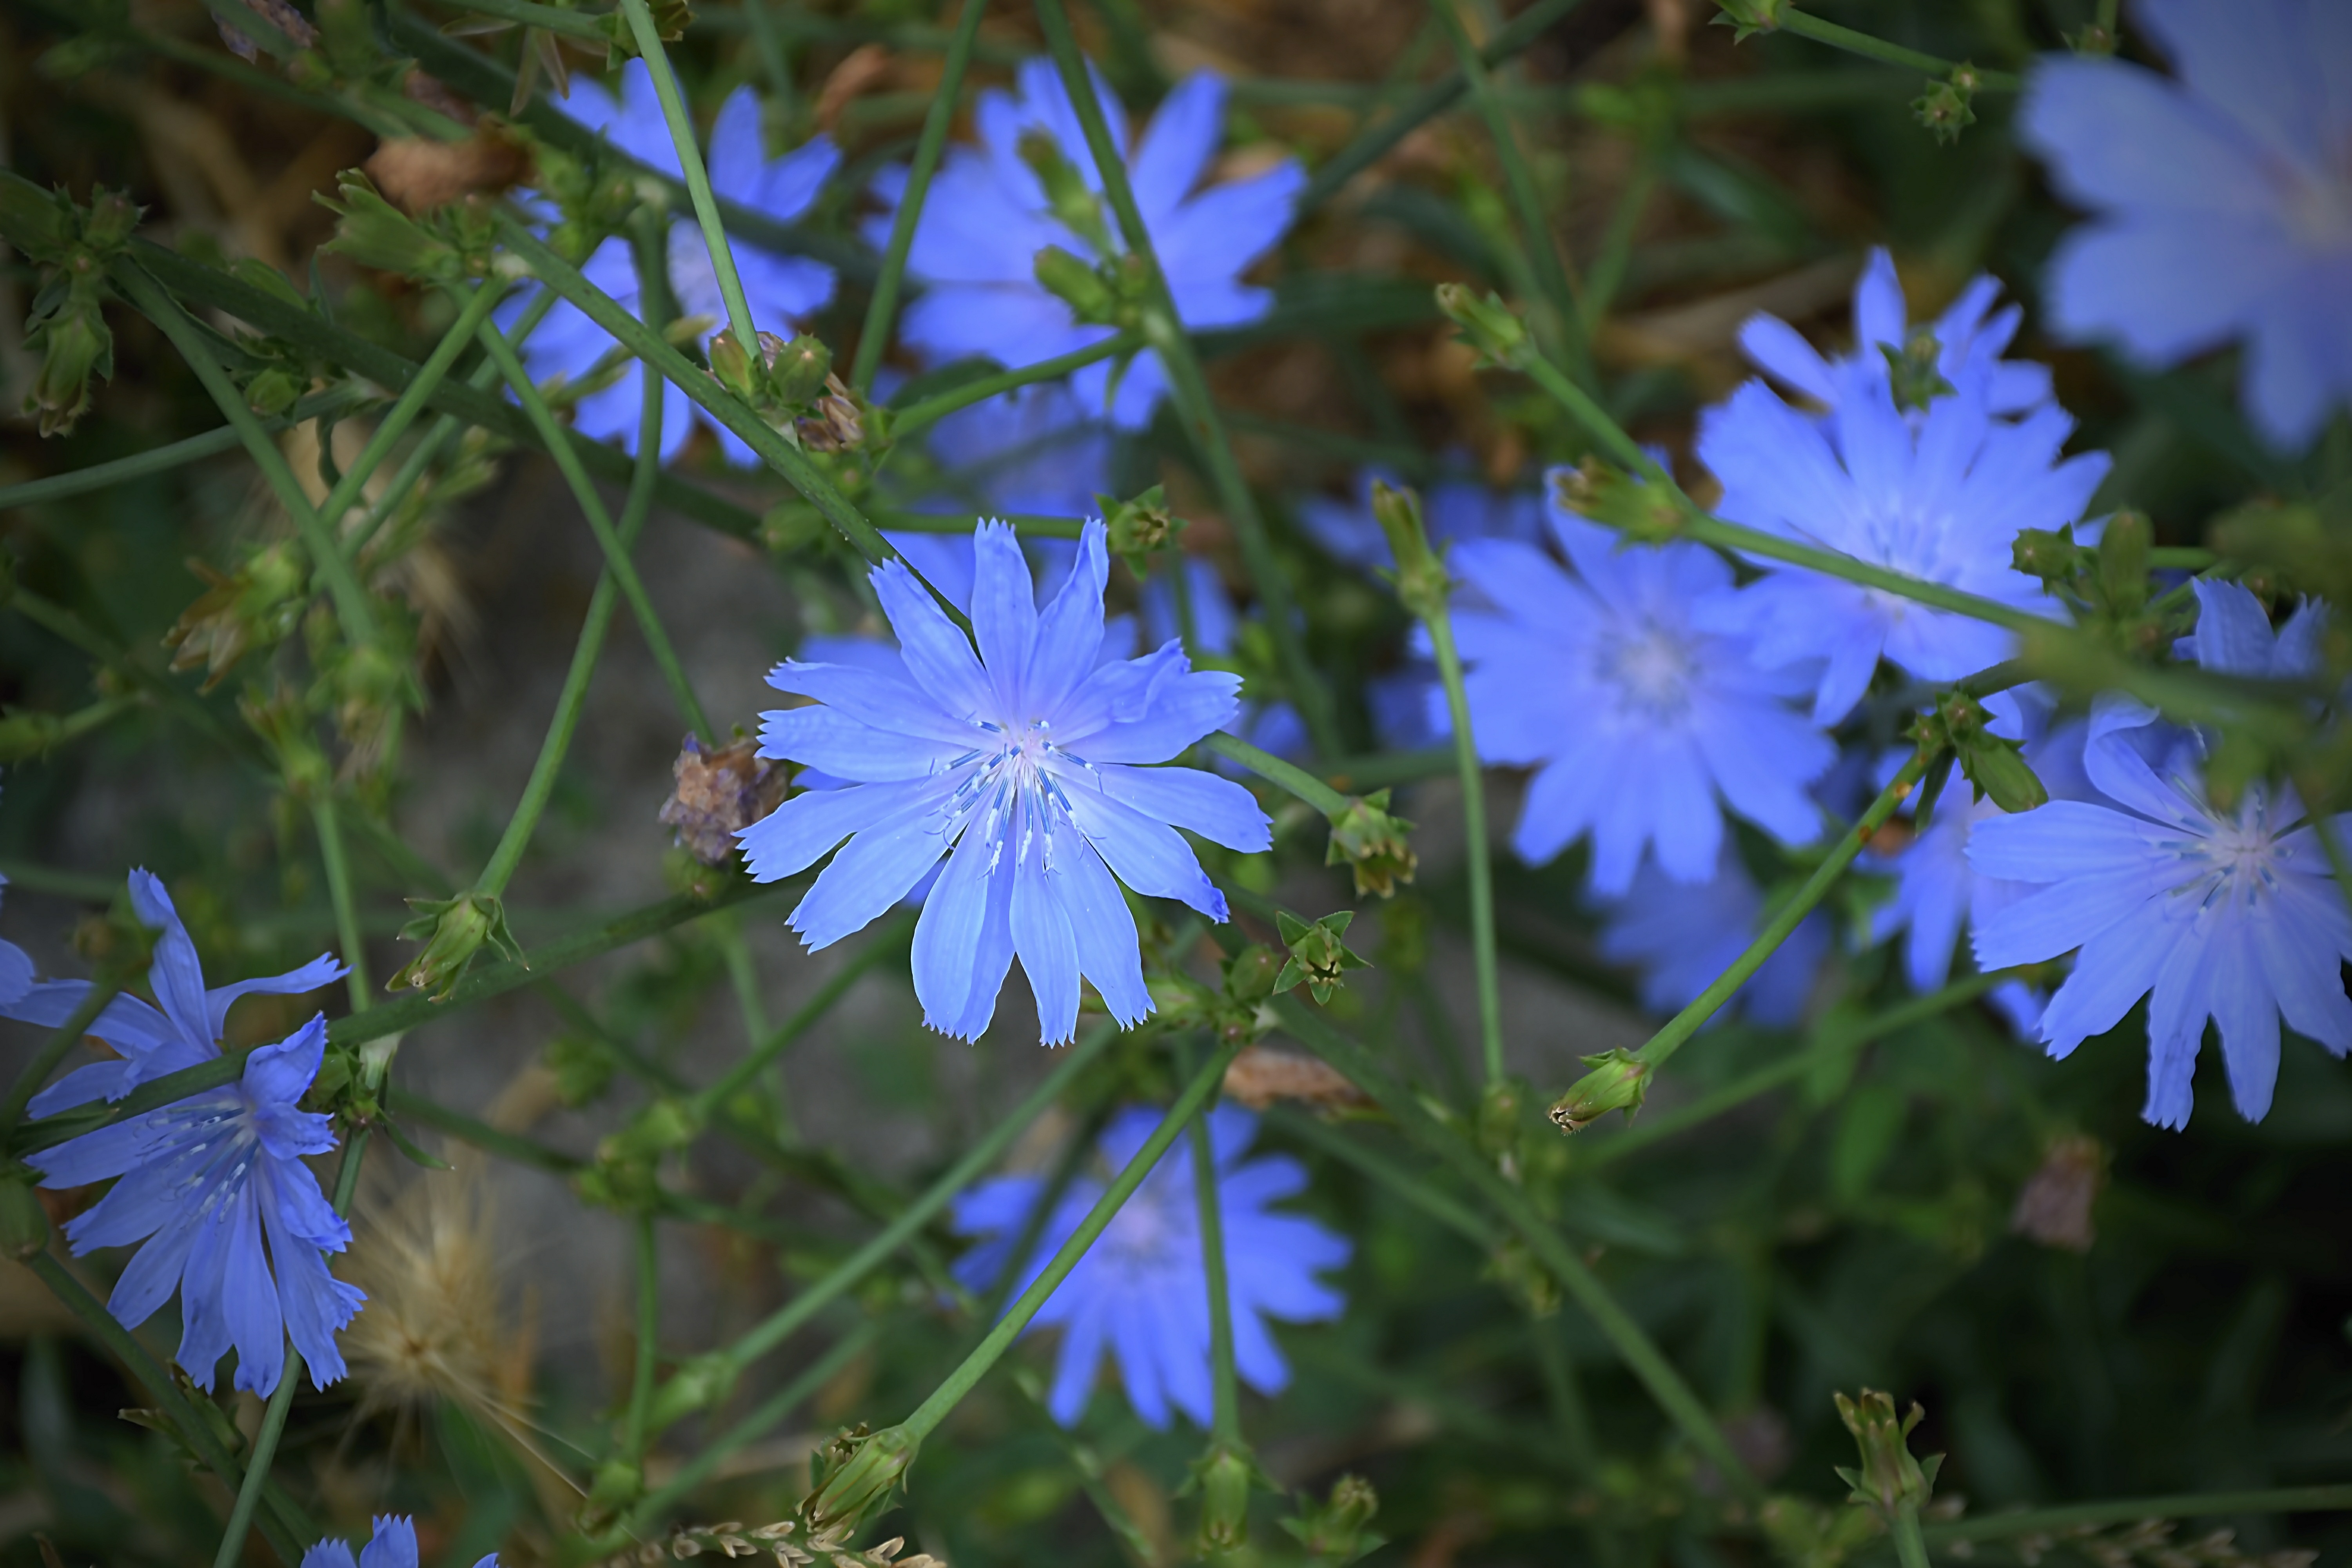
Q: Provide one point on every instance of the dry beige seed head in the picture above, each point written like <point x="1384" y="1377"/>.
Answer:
<point x="1259" y="1076"/>
<point x="2055" y="1207"/>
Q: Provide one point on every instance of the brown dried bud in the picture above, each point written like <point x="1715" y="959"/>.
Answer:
<point x="1260" y="1076"/>
<point x="2055" y="1207"/>
<point x="417" y="174"/>
<point x="719" y="793"/>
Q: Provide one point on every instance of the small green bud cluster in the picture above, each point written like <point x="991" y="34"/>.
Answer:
<point x="1337" y="1531"/>
<point x="791" y="384"/>
<point x="1915" y="369"/>
<point x="1141" y="526"/>
<point x="1644" y="512"/>
<point x="1488" y="326"/>
<point x="1955" y="729"/>
<point x="66" y="325"/>
<point x="1372" y="844"/>
<point x="446" y="247"/>
<point x="854" y="1475"/>
<point x="1949" y="107"/>
<point x="1318" y="957"/>
<point x="453" y="931"/>
<point x="1888" y="1474"/>
<point x="1746" y="18"/>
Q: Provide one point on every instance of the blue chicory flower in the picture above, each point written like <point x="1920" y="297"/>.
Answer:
<point x="1969" y="345"/>
<point x="1452" y="510"/>
<point x="1142" y="1290"/>
<point x="986" y="216"/>
<point x="152" y="1043"/>
<point x="392" y="1546"/>
<point x="2221" y="200"/>
<point x="1642" y="719"/>
<point x="1019" y="761"/>
<point x="16" y="971"/>
<point x="2228" y="915"/>
<point x="1939" y="497"/>
<point x="1682" y="935"/>
<point x="203" y="1180"/>
<point x="781" y="289"/>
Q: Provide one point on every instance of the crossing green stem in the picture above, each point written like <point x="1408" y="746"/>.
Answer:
<point x="1909" y="1549"/>
<point x="885" y="943"/>
<point x="326" y="820"/>
<point x="927" y="1416"/>
<point x="922" y="415"/>
<point x="1809" y="27"/>
<point x="338" y="400"/>
<point x="1474" y="824"/>
<point x="875" y="334"/>
<point x="1275" y="770"/>
<point x="690" y="168"/>
<point x="1225" y="1422"/>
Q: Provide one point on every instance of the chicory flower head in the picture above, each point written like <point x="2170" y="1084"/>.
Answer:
<point x="1939" y="496"/>
<point x="1016" y="760"/>
<point x="1969" y="345"/>
<point x="1636" y="718"/>
<point x="781" y="290"/>
<point x="2230" y="915"/>
<point x="1681" y="935"/>
<point x="1141" y="1292"/>
<point x="392" y="1546"/>
<point x="987" y="215"/>
<point x="2221" y="199"/>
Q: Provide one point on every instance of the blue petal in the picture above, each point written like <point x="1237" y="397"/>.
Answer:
<point x="843" y="745"/>
<point x="1148" y="855"/>
<point x="873" y="871"/>
<point x="873" y="696"/>
<point x="1217" y="809"/>
<point x="395" y="1543"/>
<point x="1003" y="615"/>
<point x="1070" y="634"/>
<point x="175" y="974"/>
<point x="1177" y="145"/>
<point x="332" y="1553"/>
<point x="1147" y="710"/>
<point x="937" y="656"/>
<point x="249" y="1299"/>
<point x="2065" y="839"/>
<point x="798" y="834"/>
<point x="316" y="1305"/>
<point x="1109" y="953"/>
<point x="282" y="1074"/>
<point x="953" y="952"/>
<point x="324" y="969"/>
<point x="1042" y="937"/>
<point x="1075" y="1367"/>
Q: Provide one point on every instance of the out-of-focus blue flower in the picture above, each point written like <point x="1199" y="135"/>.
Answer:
<point x="781" y="290"/>
<point x="2230" y="916"/>
<point x="1142" y="1290"/>
<point x="16" y="971"/>
<point x="986" y="216"/>
<point x="1452" y="510"/>
<point x="1272" y="727"/>
<point x="1938" y="496"/>
<point x="1637" y="720"/>
<point x="2221" y="200"/>
<point x="393" y="1545"/>
<point x="1681" y="935"/>
<point x="204" y="1180"/>
<point x="1020" y="759"/>
<point x="1969" y="345"/>
<point x="187" y="1031"/>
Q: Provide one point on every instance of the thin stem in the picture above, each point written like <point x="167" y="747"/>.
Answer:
<point x="769" y="40"/>
<point x="348" y="932"/>
<point x="2336" y="1499"/>
<point x="1406" y="1185"/>
<point x="885" y="944"/>
<point x="1634" y="1347"/>
<point x="641" y="1381"/>
<point x="578" y="25"/>
<point x="1909" y="1549"/>
<point x="1028" y="525"/>
<point x="572" y="700"/>
<point x="1811" y="26"/>
<point x="1275" y="770"/>
<point x="1164" y="331"/>
<point x="600" y="523"/>
<point x="1562" y="327"/>
<point x="921" y="416"/>
<point x="162" y="459"/>
<point x="53" y="1051"/>
<point x="1225" y="1422"/>
<point x="1606" y="274"/>
<point x="985" y="1355"/>
<point x="1473" y="823"/>
<point x="281" y="1399"/>
<point x="698" y="178"/>
<point x="875" y="333"/>
<point x="351" y="606"/>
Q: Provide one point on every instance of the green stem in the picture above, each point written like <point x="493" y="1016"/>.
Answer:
<point x="339" y="400"/>
<point x="1606" y="274"/>
<point x="600" y="522"/>
<point x="1028" y="525"/>
<point x="921" y="416"/>
<point x="53" y="1051"/>
<point x="348" y="932"/>
<point x="1275" y="770"/>
<point x="548" y="18"/>
<point x="281" y="1399"/>
<point x="1163" y="330"/>
<point x="698" y="178"/>
<point x="1809" y="26"/>
<point x="770" y="41"/>
<point x="985" y="1355"/>
<point x="1550" y="277"/>
<point x="1909" y="1549"/>
<point x="1640" y="1356"/>
<point x="1679" y="1029"/>
<point x="2336" y="1499"/>
<point x="1439" y="1205"/>
<point x="351" y="606"/>
<point x="1225" y="1422"/>
<point x="572" y="700"/>
<point x="641" y="1381"/>
<point x="885" y="943"/>
<point x="1473" y="823"/>
<point x="875" y="333"/>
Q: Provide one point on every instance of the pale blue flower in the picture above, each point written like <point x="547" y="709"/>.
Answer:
<point x="1272" y="727"/>
<point x="184" y="1033"/>
<point x="1020" y="758"/>
<point x="2228" y="915"/>
<point x="1141" y="1291"/>
<point x="2221" y="199"/>
<point x="1969" y="344"/>
<point x="204" y="1180"/>
<point x="986" y="218"/>
<point x="392" y="1546"/>
<point x="16" y="970"/>
<point x="1453" y="509"/>
<point x="781" y="289"/>
<point x="1682" y="935"/>
<point x="1938" y="496"/>
<point x="1642" y="726"/>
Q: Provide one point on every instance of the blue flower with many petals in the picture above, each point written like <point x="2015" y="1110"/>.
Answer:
<point x="1637" y="719"/>
<point x="392" y="1546"/>
<point x="1969" y="342"/>
<point x="1939" y="497"/>
<point x="2230" y="915"/>
<point x="1681" y="935"/>
<point x="781" y="290"/>
<point x="2223" y="199"/>
<point x="1141" y="1292"/>
<point x="205" y="1181"/>
<point x="986" y="216"/>
<point x="1019" y="761"/>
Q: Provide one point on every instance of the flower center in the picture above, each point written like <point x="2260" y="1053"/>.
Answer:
<point x="1145" y="1230"/>
<point x="1008" y="794"/>
<point x="2237" y="860"/>
<point x="1652" y="666"/>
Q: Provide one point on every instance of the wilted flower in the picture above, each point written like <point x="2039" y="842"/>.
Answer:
<point x="717" y="794"/>
<point x="1027" y="746"/>
<point x="1141" y="1292"/>
<point x="2054" y="1207"/>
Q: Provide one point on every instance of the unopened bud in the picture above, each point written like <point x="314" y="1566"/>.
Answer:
<point x="374" y="233"/>
<point x="1077" y="284"/>
<point x="1337" y="1531"/>
<point x="453" y="931"/>
<point x="2124" y="545"/>
<point x="796" y="370"/>
<point x="1318" y="957"/>
<point x="1067" y="195"/>
<point x="1628" y="502"/>
<point x="1946" y="109"/>
<point x="733" y="366"/>
<point x="1225" y="1478"/>
<point x="1138" y="527"/>
<point x="1419" y="576"/>
<point x="2050" y="555"/>
<point x="1489" y="325"/>
<point x="1889" y="1474"/>
<point x="698" y="1384"/>
<point x="1748" y="18"/>
<point x="1250" y="974"/>
<point x="1372" y="844"/>
<point x="1619" y="1081"/>
<point x="74" y="345"/>
<point x="1915" y="372"/>
<point x="855" y="1472"/>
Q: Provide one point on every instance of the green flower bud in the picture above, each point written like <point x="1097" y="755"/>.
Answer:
<point x="1947" y="108"/>
<point x="1141" y="526"/>
<point x="374" y="233"/>
<point x="1642" y="512"/>
<point x="796" y="371"/>
<point x="1337" y="1531"/>
<point x="37" y="222"/>
<point x="1488" y="325"/>
<point x="732" y="365"/>
<point x="1066" y="192"/>
<point x="74" y="345"/>
<point x="1619" y="1081"/>
<point x="1419" y="576"/>
<point x="1915" y="370"/>
<point x="698" y="1384"/>
<point x="2047" y="553"/>
<point x="1889" y="1474"/>
<point x="1318" y="957"/>
<point x="1250" y="974"/>
<point x="1226" y="1476"/>
<point x="1079" y="285"/>
<point x="1372" y="844"/>
<point x="23" y="1223"/>
<point x="453" y="931"/>
<point x="856" y="1472"/>
<point x="1748" y="18"/>
<point x="2124" y="545"/>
